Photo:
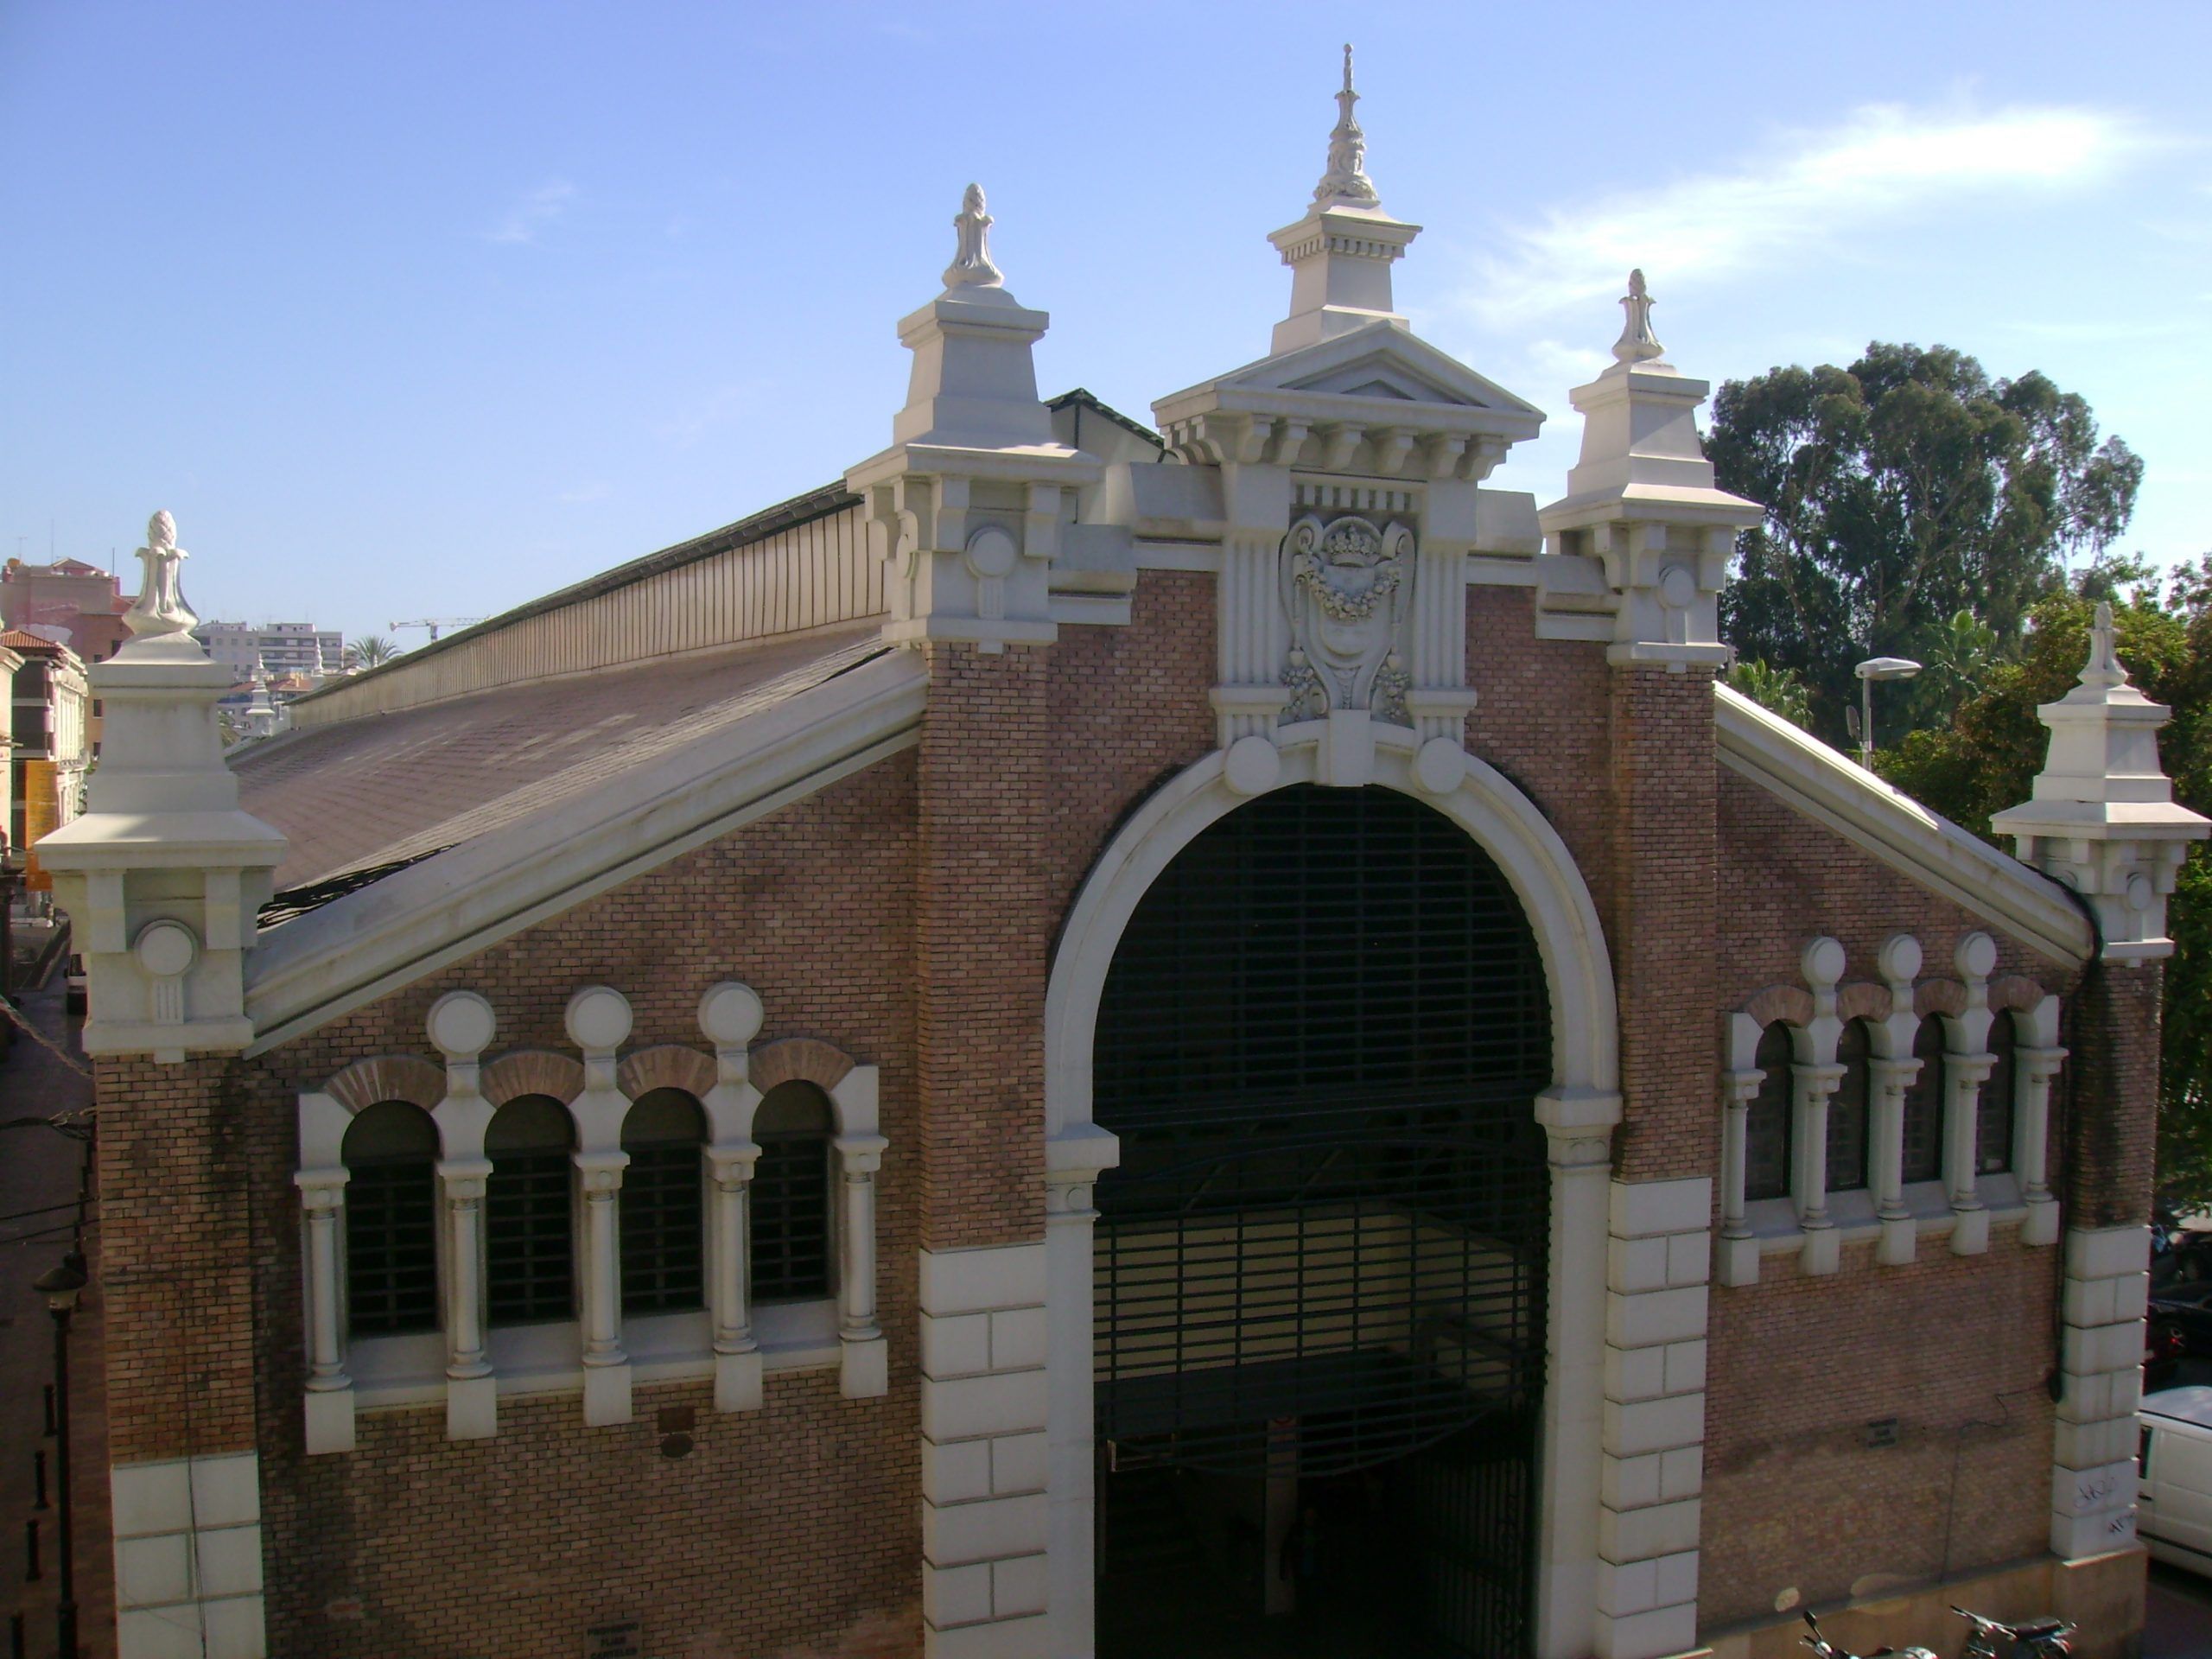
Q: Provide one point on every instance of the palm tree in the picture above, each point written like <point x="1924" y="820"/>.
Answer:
<point x="370" y="651"/>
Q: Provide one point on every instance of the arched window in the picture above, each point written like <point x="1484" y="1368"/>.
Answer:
<point x="529" y="1241"/>
<point x="790" y="1195"/>
<point x="1847" y="1112"/>
<point x="663" y="1211"/>
<point x="391" y="1152"/>
<point x="1993" y="1130"/>
<point x="1924" y="1105"/>
<point x="1767" y="1125"/>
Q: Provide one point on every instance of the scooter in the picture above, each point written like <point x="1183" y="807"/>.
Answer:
<point x="2035" y="1638"/>
<point x="1828" y="1649"/>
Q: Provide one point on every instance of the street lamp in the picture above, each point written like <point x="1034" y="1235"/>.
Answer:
<point x="1873" y="668"/>
<point x="61" y="1285"/>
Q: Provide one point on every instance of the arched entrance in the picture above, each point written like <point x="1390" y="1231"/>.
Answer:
<point x="1320" y="1269"/>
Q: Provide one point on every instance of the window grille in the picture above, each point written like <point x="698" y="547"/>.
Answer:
<point x="391" y="1219"/>
<point x="529" y="1235"/>
<point x="790" y="1195"/>
<point x="1993" y="1133"/>
<point x="1924" y="1105"/>
<point x="664" y="1229"/>
<point x="1847" y="1141"/>
<point x="1770" y="1123"/>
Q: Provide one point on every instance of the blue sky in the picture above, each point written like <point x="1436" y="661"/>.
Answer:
<point x="411" y="310"/>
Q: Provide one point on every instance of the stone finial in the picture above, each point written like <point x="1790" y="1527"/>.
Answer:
<point x="971" y="266"/>
<point x="1637" y="344"/>
<point x="160" y="607"/>
<point x="1346" y="181"/>
<point x="2103" y="667"/>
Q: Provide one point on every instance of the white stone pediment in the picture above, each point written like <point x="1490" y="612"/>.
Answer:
<point x="1380" y="362"/>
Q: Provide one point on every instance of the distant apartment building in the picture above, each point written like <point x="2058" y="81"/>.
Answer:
<point x="80" y="604"/>
<point x="278" y="648"/>
<point x="49" y="714"/>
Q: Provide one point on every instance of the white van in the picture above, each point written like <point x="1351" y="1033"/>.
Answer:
<point x="2174" y="1461"/>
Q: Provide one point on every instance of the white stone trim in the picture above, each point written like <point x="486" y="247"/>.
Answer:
<point x="2100" y="1359"/>
<point x="1814" y="779"/>
<point x="985" y="1451"/>
<point x="188" y="1557"/>
<point x="1578" y="1112"/>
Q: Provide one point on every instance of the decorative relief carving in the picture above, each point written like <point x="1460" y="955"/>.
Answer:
<point x="1347" y="585"/>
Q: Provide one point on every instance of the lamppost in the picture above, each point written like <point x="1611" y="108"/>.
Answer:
<point x="61" y="1285"/>
<point x="1873" y="668"/>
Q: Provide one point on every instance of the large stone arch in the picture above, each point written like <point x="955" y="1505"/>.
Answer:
<point x="1578" y="1111"/>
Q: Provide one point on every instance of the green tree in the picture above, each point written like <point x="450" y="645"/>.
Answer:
<point x="370" y="651"/>
<point x="1987" y="758"/>
<point x="1899" y="493"/>
<point x="1777" y="689"/>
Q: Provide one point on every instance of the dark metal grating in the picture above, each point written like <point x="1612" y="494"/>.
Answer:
<point x="663" y="1233"/>
<point x="1770" y="1122"/>
<point x="530" y="1253"/>
<point x="391" y="1266"/>
<point x="1993" y="1110"/>
<point x="1924" y="1106"/>
<point x="791" y="1218"/>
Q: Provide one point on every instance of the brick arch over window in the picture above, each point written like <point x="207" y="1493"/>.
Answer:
<point x="1790" y="1004"/>
<point x="388" y="1077"/>
<point x="532" y="1071"/>
<point x="670" y="1065"/>
<point x="1939" y="996"/>
<point x="1864" y="1000"/>
<point x="2015" y="993"/>
<point x="799" y="1059"/>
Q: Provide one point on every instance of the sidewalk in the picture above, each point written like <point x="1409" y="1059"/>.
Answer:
<point x="39" y="1173"/>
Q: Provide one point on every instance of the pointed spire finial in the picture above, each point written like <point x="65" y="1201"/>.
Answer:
<point x="1637" y="344"/>
<point x="971" y="266"/>
<point x="160" y="607"/>
<point x="1346" y="178"/>
<point x="2103" y="667"/>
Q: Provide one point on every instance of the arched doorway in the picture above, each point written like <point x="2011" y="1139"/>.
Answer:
<point x="1320" y="1269"/>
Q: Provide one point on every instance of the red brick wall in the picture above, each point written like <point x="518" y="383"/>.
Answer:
<point x="792" y="1531"/>
<point x="1798" y="1367"/>
<point x="2108" y="1118"/>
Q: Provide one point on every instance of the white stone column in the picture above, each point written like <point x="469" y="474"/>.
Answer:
<point x="188" y="1555"/>
<point x="2100" y="1360"/>
<point x="2034" y="1068"/>
<point x="984" y="1451"/>
<point x="738" y="1382"/>
<point x="1736" y="1253"/>
<point x="1888" y="1079"/>
<point x="1575" y="1413"/>
<point x="606" y="1367"/>
<point x="472" y="1392"/>
<point x="1075" y="1159"/>
<point x="329" y="1390"/>
<point x="1808" y="1181"/>
<point x="864" y="1370"/>
<point x="1963" y="1075"/>
<point x="1658" y="1250"/>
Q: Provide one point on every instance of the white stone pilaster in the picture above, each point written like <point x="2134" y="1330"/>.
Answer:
<point x="2100" y="1360"/>
<point x="1658" y="1250"/>
<point x="329" y="1391"/>
<point x="1735" y="1252"/>
<point x="1808" y="1155"/>
<point x="864" y="1369"/>
<point x="472" y="1392"/>
<point x="606" y="1367"/>
<point x="2034" y="1068"/>
<point x="1579" y="1150"/>
<point x="1075" y="1158"/>
<point x="739" y="1384"/>
<point x="985" y="1460"/>
<point x="187" y="1558"/>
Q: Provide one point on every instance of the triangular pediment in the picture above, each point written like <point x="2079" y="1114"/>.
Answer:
<point x="1380" y="361"/>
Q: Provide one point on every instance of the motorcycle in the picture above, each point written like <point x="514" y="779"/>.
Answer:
<point x="2034" y="1638"/>
<point x="1827" y="1649"/>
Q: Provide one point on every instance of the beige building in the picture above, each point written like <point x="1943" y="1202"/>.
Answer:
<point x="50" y="719"/>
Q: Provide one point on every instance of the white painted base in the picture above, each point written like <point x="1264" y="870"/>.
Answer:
<point x="865" y="1372"/>
<point x="1970" y="1233"/>
<point x="1900" y="1241"/>
<point x="1822" y="1250"/>
<point x="330" y="1420"/>
<point x="472" y="1407"/>
<point x="187" y="1558"/>
<point x="2041" y="1226"/>
<point x="1736" y="1260"/>
<point x="738" y="1382"/>
<point x="607" y="1395"/>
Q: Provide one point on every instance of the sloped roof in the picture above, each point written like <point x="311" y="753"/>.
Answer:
<point x="383" y="789"/>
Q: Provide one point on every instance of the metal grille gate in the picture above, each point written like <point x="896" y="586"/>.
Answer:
<point x="1324" y="1248"/>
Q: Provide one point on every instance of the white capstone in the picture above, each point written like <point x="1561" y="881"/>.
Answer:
<point x="1822" y="961"/>
<point x="598" y="1017"/>
<point x="1252" y="764"/>
<point x="1899" y="958"/>
<point x="461" y="1025"/>
<point x="1440" y="766"/>
<point x="166" y="949"/>
<point x="730" y="1014"/>
<point x="1976" y="956"/>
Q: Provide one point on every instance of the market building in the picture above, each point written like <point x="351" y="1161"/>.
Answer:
<point x="1101" y="1036"/>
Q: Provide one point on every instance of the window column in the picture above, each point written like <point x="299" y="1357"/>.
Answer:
<point x="738" y="1383"/>
<point x="1817" y="1077"/>
<point x="329" y="1390"/>
<point x="1736" y="1253"/>
<point x="2032" y="1152"/>
<point x="598" y="1021"/>
<point x="865" y="1371"/>
<point x="472" y="1392"/>
<point x="1966" y="1068"/>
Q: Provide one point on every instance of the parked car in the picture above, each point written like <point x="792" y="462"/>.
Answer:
<point x="2184" y="1307"/>
<point x="2173" y="1461"/>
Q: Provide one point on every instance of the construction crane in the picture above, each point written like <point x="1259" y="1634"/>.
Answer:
<point x="434" y="623"/>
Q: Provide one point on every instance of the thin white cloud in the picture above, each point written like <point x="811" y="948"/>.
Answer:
<point x="1802" y="192"/>
<point x="591" y="490"/>
<point x="718" y="407"/>
<point x="533" y="213"/>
